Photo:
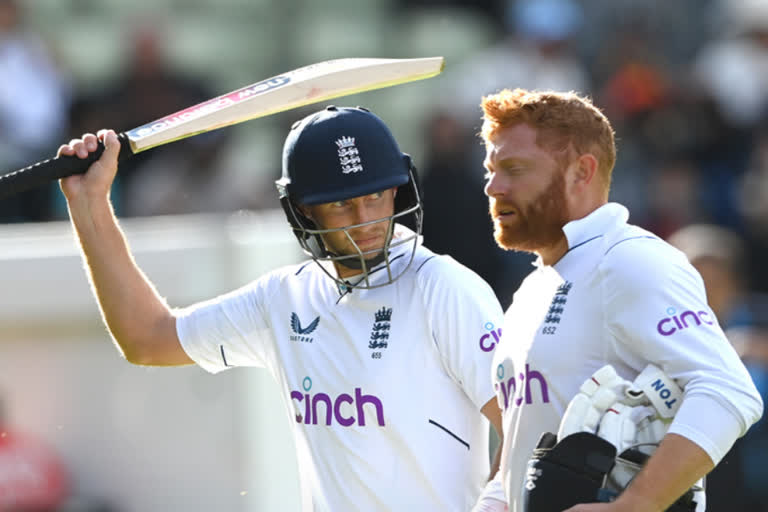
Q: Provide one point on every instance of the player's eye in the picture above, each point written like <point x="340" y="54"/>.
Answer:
<point x="514" y="170"/>
<point x="376" y="195"/>
<point x="339" y="204"/>
<point x="487" y="176"/>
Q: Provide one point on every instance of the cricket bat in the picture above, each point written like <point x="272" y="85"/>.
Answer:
<point x="297" y="88"/>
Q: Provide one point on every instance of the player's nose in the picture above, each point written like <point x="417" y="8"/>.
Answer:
<point x="363" y="213"/>
<point x="494" y="187"/>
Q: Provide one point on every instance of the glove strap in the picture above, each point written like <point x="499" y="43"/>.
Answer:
<point x="659" y="389"/>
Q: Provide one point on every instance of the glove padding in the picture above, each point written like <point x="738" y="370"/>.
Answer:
<point x="622" y="412"/>
<point x="632" y="416"/>
<point x="596" y="395"/>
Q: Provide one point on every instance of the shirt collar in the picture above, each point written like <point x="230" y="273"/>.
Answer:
<point x="596" y="223"/>
<point x="593" y="225"/>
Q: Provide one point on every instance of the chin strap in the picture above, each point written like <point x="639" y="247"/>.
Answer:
<point x="354" y="262"/>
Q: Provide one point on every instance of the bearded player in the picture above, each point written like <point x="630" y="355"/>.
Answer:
<point x="603" y="292"/>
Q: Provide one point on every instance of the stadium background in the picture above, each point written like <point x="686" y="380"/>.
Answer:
<point x="685" y="84"/>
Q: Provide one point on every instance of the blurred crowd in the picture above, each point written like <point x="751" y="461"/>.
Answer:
<point x="685" y="84"/>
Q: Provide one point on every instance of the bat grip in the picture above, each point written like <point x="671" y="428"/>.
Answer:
<point x="55" y="168"/>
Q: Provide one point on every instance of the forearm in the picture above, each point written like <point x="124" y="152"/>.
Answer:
<point x="496" y="463"/>
<point x="132" y="310"/>
<point x="674" y="468"/>
<point x="492" y="498"/>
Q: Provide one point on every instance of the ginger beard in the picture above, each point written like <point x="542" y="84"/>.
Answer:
<point x="536" y="224"/>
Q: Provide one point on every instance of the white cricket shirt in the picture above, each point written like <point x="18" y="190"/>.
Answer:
<point x="619" y="296"/>
<point x="384" y="386"/>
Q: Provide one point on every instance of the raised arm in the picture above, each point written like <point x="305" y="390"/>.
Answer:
<point x="138" y="319"/>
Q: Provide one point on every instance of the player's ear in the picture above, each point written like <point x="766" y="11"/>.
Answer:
<point x="583" y="170"/>
<point x="587" y="167"/>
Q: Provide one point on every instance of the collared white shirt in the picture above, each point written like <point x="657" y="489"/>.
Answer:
<point x="622" y="296"/>
<point x="383" y="386"/>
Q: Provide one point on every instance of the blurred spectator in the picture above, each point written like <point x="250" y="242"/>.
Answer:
<point x="673" y="195"/>
<point x="719" y="255"/>
<point x="631" y="78"/>
<point x="733" y="67"/>
<point x="679" y="152"/>
<point x="452" y="186"/>
<point x="738" y="483"/>
<point x="34" y="99"/>
<point x="32" y="478"/>
<point x="539" y="51"/>
<point x="178" y="178"/>
<point x="636" y="89"/>
<point x="752" y="194"/>
<point x="675" y="29"/>
<point x="491" y="8"/>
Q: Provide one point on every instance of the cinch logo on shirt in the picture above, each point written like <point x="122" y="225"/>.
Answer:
<point x="510" y="393"/>
<point x="673" y="323"/>
<point x="345" y="409"/>
<point x="486" y="344"/>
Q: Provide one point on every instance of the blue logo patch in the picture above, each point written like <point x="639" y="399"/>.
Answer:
<point x="380" y="331"/>
<point x="298" y="329"/>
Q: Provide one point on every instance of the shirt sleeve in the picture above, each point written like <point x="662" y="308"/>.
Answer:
<point x="466" y="318"/>
<point x="228" y="331"/>
<point x="655" y="308"/>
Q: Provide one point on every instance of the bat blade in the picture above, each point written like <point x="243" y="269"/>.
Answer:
<point x="297" y="88"/>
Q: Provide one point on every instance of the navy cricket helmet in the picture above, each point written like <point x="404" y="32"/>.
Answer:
<point x="341" y="153"/>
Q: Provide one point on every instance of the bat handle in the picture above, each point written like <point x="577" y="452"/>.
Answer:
<point x="55" y="168"/>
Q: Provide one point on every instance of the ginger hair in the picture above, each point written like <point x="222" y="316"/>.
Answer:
<point x="562" y="120"/>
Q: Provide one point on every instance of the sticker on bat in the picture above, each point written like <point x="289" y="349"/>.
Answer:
<point x="208" y="106"/>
